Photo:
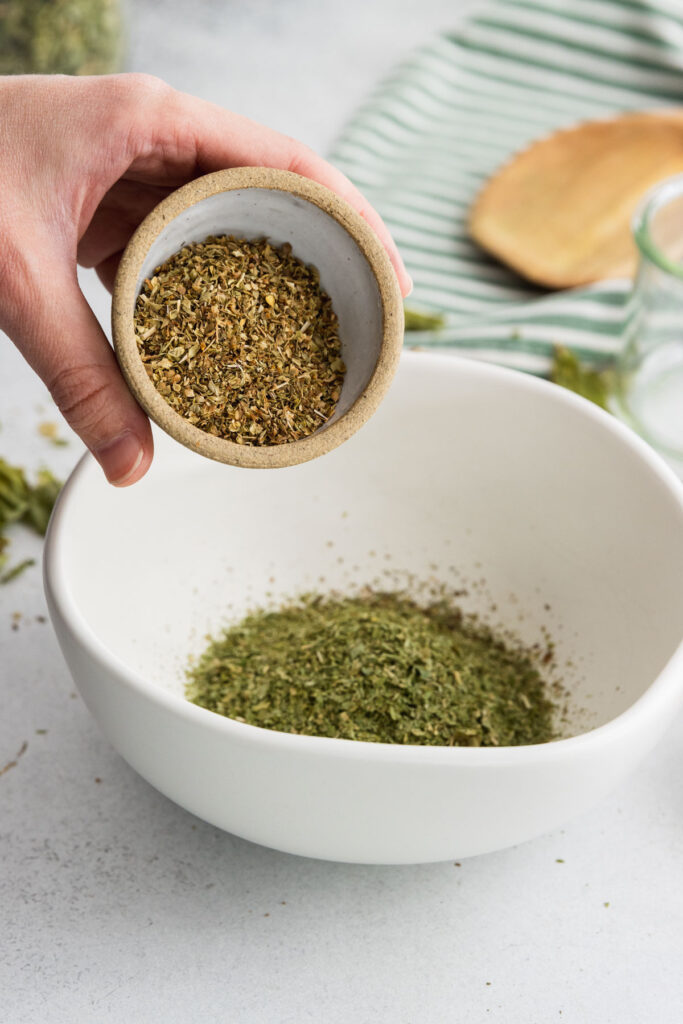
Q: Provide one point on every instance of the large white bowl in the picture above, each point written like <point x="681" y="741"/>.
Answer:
<point x="535" y="501"/>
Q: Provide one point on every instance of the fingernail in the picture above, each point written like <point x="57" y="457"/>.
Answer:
<point x="410" y="287"/>
<point x="120" y="457"/>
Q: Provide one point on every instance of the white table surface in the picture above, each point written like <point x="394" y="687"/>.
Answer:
<point x="117" y="906"/>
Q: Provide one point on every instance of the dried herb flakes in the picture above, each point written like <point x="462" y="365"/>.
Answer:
<point x="22" y="502"/>
<point x="240" y="340"/>
<point x="379" y="668"/>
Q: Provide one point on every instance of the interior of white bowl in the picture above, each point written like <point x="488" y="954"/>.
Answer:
<point x="316" y="238"/>
<point x="550" y="515"/>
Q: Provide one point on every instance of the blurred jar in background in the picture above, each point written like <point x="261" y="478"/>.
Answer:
<point x="71" y="37"/>
<point x="648" y="391"/>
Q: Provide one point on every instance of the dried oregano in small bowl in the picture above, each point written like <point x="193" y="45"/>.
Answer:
<point x="242" y="349"/>
<point x="239" y="338"/>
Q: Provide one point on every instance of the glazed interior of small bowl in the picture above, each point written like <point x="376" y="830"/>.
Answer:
<point x="549" y="515"/>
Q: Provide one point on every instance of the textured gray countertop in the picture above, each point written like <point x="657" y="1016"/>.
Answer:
<point x="117" y="906"/>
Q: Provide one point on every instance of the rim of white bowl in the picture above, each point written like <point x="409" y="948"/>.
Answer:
<point x="59" y="596"/>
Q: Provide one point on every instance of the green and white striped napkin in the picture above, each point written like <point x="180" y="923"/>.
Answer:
<point x="458" y="108"/>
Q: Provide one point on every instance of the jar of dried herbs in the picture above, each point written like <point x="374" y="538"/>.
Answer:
<point x="70" y="37"/>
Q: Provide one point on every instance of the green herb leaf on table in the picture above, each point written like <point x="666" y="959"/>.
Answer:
<point x="569" y="372"/>
<point x="23" y="502"/>
<point x="16" y="570"/>
<point x="41" y="500"/>
<point x="416" y="321"/>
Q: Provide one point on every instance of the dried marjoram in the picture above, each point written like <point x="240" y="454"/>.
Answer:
<point x="376" y="667"/>
<point x="240" y="339"/>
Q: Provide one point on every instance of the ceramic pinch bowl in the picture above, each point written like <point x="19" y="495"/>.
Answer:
<point x="323" y="230"/>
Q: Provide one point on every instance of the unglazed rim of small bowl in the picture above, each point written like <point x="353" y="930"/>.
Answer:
<point x="123" y="303"/>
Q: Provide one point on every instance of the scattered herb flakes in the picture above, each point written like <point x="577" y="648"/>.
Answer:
<point x="240" y="340"/>
<point x="416" y="321"/>
<point x="378" y="668"/>
<point x="13" y="763"/>
<point x="16" y="570"/>
<point x="570" y="373"/>
<point x="48" y="430"/>
<point x="22" y="502"/>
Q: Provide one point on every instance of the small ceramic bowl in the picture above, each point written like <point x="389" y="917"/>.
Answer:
<point x="323" y="230"/>
<point x="551" y="515"/>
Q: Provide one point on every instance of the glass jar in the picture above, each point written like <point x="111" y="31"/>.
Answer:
<point x="70" y="37"/>
<point x="648" y="389"/>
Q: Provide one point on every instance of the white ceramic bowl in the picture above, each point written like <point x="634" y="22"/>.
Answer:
<point x="528" y="494"/>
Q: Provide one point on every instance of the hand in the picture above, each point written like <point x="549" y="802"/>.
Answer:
<point x="82" y="162"/>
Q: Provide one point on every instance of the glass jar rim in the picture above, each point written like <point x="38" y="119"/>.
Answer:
<point x="653" y="200"/>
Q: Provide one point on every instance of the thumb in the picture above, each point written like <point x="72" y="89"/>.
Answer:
<point x="60" y="337"/>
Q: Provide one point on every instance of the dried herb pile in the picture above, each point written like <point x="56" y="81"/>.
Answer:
<point x="22" y="502"/>
<point x="240" y="340"/>
<point x="376" y="667"/>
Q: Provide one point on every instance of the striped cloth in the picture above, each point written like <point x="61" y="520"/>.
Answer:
<point x="454" y="111"/>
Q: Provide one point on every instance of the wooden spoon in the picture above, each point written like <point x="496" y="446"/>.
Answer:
<point x="559" y="213"/>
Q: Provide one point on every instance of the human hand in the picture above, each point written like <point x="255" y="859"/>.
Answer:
<point x="82" y="162"/>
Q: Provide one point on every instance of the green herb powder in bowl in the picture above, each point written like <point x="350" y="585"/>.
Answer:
<point x="376" y="667"/>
